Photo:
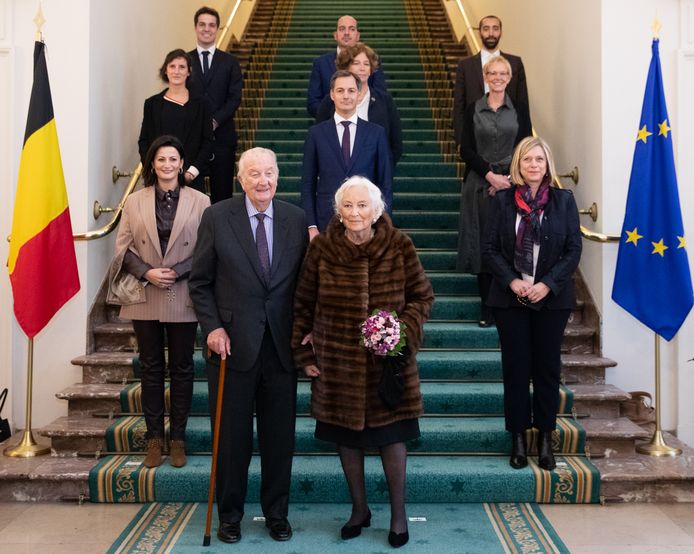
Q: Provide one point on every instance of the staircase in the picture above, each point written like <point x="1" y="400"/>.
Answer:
<point x="462" y="455"/>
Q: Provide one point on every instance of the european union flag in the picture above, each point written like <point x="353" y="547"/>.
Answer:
<point x="652" y="281"/>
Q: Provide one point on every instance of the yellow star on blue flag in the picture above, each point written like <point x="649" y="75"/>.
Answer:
<point x="654" y="285"/>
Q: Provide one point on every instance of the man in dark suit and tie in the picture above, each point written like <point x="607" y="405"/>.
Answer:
<point x="469" y="82"/>
<point x="338" y="148"/>
<point x="217" y="77"/>
<point x="247" y="258"/>
<point x="346" y="34"/>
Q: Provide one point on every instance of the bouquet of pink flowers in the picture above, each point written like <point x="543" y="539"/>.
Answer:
<point x="383" y="333"/>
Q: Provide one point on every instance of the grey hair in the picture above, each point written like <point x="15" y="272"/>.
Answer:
<point x="375" y="195"/>
<point x="255" y="152"/>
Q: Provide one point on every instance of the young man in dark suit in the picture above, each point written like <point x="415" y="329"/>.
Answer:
<point x="346" y="34"/>
<point x="217" y="77"/>
<point x="246" y="262"/>
<point x="469" y="82"/>
<point x="341" y="147"/>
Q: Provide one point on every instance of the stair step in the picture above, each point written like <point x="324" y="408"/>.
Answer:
<point x="320" y="479"/>
<point x="601" y="401"/>
<point x="100" y="367"/>
<point x="114" y="337"/>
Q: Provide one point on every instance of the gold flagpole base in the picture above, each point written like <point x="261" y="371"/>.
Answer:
<point x="657" y="447"/>
<point x="27" y="447"/>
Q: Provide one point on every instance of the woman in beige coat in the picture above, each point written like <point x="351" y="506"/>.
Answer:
<point x="149" y="278"/>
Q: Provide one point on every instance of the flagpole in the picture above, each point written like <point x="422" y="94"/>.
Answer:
<point x="657" y="446"/>
<point x="28" y="447"/>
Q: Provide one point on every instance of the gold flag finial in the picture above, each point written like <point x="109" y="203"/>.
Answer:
<point x="656" y="27"/>
<point x="40" y="20"/>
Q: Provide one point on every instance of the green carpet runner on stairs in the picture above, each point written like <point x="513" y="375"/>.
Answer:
<point x="462" y="455"/>
<point x="490" y="528"/>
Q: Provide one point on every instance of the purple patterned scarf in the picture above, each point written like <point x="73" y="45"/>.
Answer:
<point x="529" y="228"/>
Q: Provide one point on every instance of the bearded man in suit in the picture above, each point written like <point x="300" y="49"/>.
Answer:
<point x="469" y="81"/>
<point x="245" y="267"/>
<point x="216" y="76"/>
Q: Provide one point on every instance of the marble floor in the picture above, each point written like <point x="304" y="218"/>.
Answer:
<point x="613" y="529"/>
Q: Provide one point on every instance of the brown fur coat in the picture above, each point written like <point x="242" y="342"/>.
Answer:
<point x="339" y="286"/>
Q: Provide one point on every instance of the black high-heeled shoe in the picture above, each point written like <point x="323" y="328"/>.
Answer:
<point x="544" y="450"/>
<point x="396" y="540"/>
<point x="350" y="531"/>
<point x="519" y="454"/>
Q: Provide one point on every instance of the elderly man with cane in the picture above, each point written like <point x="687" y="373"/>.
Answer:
<point x="247" y="258"/>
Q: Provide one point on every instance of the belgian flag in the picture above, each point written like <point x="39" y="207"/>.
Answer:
<point x="42" y="263"/>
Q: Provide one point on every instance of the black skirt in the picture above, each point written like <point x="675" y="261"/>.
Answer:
<point x="398" y="431"/>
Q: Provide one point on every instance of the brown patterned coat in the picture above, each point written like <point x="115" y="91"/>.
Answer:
<point x="340" y="285"/>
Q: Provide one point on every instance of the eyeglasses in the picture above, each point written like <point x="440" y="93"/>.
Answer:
<point x="497" y="73"/>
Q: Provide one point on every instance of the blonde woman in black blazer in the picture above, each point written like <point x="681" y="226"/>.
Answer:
<point x="532" y="246"/>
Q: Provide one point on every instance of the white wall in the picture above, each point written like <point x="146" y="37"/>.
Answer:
<point x="586" y="64"/>
<point x="102" y="62"/>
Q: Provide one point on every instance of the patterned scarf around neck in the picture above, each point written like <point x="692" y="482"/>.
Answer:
<point x="529" y="228"/>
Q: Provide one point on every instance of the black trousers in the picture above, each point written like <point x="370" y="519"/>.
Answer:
<point x="272" y="390"/>
<point x="531" y="351"/>
<point x="150" y="341"/>
<point x="222" y="172"/>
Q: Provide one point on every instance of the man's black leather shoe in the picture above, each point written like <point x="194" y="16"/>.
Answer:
<point x="280" y="530"/>
<point x="229" y="532"/>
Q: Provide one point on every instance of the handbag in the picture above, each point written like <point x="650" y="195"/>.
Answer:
<point x="392" y="385"/>
<point x="5" y="432"/>
<point x="639" y="409"/>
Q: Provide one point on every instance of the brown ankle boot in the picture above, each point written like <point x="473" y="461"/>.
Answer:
<point x="154" y="449"/>
<point x="177" y="455"/>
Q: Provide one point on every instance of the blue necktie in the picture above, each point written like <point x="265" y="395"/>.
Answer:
<point x="262" y="247"/>
<point x="205" y="61"/>
<point x="345" y="143"/>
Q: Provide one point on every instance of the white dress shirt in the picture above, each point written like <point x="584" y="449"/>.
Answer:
<point x="363" y="106"/>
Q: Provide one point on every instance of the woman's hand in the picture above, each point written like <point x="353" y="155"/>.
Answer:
<point x="161" y="277"/>
<point x="497" y="182"/>
<point x="311" y="371"/>
<point x="537" y="292"/>
<point x="520" y="287"/>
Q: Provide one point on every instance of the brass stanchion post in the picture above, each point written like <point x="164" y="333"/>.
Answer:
<point x="28" y="447"/>
<point x="656" y="446"/>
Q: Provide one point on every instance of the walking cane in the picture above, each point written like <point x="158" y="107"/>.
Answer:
<point x="215" y="450"/>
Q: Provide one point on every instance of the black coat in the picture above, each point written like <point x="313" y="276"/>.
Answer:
<point x="221" y="87"/>
<point x="197" y="141"/>
<point x="560" y="249"/>
<point x="226" y="285"/>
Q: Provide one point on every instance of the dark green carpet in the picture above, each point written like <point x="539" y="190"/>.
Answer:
<point x="462" y="455"/>
<point x="491" y="528"/>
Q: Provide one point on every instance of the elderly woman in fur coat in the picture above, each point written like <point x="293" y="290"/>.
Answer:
<point x="361" y="263"/>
